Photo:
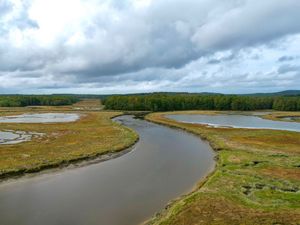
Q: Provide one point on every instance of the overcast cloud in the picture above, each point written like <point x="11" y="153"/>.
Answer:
<point x="111" y="46"/>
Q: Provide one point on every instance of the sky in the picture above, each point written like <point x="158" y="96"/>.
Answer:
<point x="128" y="46"/>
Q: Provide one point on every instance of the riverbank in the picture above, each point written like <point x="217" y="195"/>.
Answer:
<point x="256" y="180"/>
<point x="93" y="136"/>
<point x="282" y="116"/>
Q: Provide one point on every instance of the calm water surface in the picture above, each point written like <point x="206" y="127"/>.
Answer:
<point x="127" y="190"/>
<point x="238" y="121"/>
<point x="41" y="118"/>
<point x="13" y="137"/>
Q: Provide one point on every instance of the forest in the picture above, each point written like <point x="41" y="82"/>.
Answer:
<point x="165" y="102"/>
<point x="36" y="100"/>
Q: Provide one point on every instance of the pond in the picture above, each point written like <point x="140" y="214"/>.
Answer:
<point x="236" y="121"/>
<point x="127" y="190"/>
<point x="15" y="137"/>
<point x="41" y="118"/>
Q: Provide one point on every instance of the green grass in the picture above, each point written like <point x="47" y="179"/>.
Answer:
<point x="256" y="181"/>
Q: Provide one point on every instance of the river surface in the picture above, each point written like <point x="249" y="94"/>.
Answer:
<point x="236" y="121"/>
<point x="163" y="165"/>
<point x="41" y="118"/>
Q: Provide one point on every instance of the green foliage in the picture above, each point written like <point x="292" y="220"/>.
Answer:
<point x="287" y="104"/>
<point x="32" y="100"/>
<point x="165" y="102"/>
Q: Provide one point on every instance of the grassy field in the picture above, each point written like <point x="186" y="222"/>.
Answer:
<point x="92" y="135"/>
<point x="256" y="181"/>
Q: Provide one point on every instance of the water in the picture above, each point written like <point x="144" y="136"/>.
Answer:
<point x="41" y="118"/>
<point x="164" y="164"/>
<point x="237" y="121"/>
<point x="14" y="137"/>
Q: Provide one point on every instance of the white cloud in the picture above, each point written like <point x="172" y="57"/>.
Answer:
<point x="148" y="45"/>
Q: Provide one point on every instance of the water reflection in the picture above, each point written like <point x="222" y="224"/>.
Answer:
<point x="236" y="121"/>
<point x="41" y="118"/>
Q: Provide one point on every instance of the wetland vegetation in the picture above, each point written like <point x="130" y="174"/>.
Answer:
<point x="256" y="181"/>
<point x="126" y="190"/>
<point x="282" y="116"/>
<point x="90" y="136"/>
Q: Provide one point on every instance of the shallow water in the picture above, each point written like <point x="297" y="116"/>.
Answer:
<point x="237" y="121"/>
<point x="14" y="137"/>
<point x="41" y="118"/>
<point x="4" y="135"/>
<point x="163" y="165"/>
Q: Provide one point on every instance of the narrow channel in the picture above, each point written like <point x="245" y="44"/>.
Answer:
<point x="163" y="165"/>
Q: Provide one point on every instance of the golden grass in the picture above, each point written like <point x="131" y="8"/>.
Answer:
<point x="256" y="180"/>
<point x="94" y="134"/>
<point x="88" y="104"/>
<point x="282" y="115"/>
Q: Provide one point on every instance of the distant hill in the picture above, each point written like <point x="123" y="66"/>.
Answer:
<point x="281" y="93"/>
<point x="103" y="96"/>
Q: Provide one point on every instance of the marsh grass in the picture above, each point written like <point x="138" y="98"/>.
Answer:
<point x="256" y="180"/>
<point x="282" y="115"/>
<point x="92" y="135"/>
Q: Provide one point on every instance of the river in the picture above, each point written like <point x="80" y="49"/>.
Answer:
<point x="127" y="190"/>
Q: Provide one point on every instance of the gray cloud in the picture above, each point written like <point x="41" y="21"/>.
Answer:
<point x="5" y="7"/>
<point x="286" y="58"/>
<point x="248" y="23"/>
<point x="286" y="68"/>
<point x="168" y="44"/>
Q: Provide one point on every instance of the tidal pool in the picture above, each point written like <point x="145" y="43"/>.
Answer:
<point x="14" y="137"/>
<point x="41" y="118"/>
<point x="163" y="165"/>
<point x="236" y="121"/>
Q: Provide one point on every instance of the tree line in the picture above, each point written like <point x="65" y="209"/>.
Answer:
<point x="36" y="100"/>
<point x="164" y="102"/>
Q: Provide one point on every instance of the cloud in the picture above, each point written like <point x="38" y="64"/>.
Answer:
<point x="247" y="23"/>
<point x="286" y="58"/>
<point x="120" y="46"/>
<point x="5" y="7"/>
<point x="286" y="68"/>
